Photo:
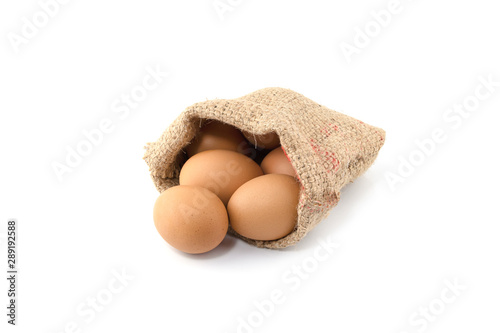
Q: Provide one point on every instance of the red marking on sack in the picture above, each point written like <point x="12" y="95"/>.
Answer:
<point x="327" y="129"/>
<point x="331" y="162"/>
<point x="381" y="136"/>
<point x="301" y="203"/>
<point x="313" y="208"/>
<point x="313" y="145"/>
<point x="300" y="181"/>
<point x="284" y="152"/>
<point x="289" y="160"/>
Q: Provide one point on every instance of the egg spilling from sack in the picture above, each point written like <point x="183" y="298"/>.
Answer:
<point x="265" y="208"/>
<point x="220" y="171"/>
<point x="190" y="218"/>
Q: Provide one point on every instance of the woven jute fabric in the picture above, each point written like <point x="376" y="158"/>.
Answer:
<point x="327" y="149"/>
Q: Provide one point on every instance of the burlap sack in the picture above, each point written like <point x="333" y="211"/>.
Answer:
<point x="327" y="149"/>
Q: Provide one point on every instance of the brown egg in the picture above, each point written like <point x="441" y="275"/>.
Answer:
<point x="220" y="171"/>
<point x="277" y="162"/>
<point x="265" y="208"/>
<point x="266" y="141"/>
<point x="192" y="219"/>
<point x="217" y="135"/>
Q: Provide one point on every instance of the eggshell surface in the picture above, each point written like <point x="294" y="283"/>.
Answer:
<point x="270" y="140"/>
<point x="265" y="208"/>
<point x="192" y="219"/>
<point x="220" y="171"/>
<point x="217" y="135"/>
<point x="277" y="162"/>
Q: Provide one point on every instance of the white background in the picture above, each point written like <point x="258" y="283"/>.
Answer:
<point x="397" y="247"/>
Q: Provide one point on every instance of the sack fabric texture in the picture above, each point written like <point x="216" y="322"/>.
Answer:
<point x="328" y="149"/>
